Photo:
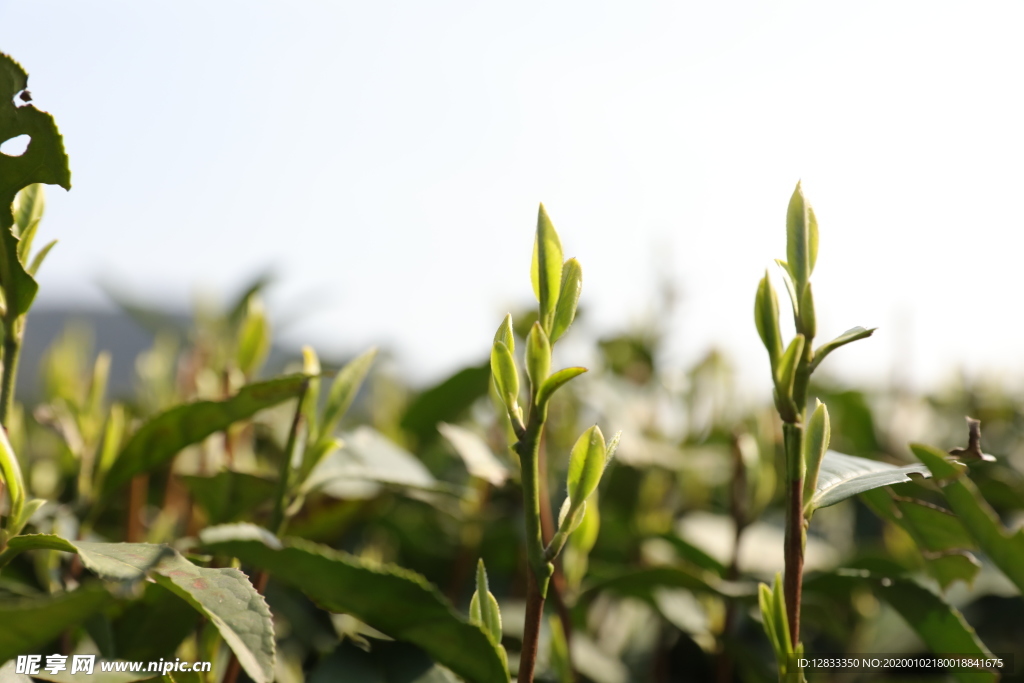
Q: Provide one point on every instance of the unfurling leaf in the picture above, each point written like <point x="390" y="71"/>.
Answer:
<point x="568" y="298"/>
<point x="816" y="438"/>
<point x="766" y="317"/>
<point x="253" y="338"/>
<point x="10" y="469"/>
<point x="483" y="610"/>
<point x="851" y="335"/>
<point x="344" y="389"/>
<point x="785" y="376"/>
<point x="546" y="269"/>
<point x="586" y="465"/>
<point x="801" y="240"/>
<point x="505" y="335"/>
<point x="506" y="375"/>
<point x="552" y="383"/>
<point x="538" y="356"/>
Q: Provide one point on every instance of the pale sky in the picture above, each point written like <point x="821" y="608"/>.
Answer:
<point x="386" y="159"/>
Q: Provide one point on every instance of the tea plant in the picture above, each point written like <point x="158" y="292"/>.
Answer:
<point x="557" y="287"/>
<point x="292" y="522"/>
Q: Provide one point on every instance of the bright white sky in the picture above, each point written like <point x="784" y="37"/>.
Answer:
<point x="386" y="159"/>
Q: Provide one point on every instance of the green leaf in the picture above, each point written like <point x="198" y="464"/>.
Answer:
<point x="385" y="662"/>
<point x="10" y="469"/>
<point x="555" y="381"/>
<point x="538" y="356"/>
<point x="642" y="582"/>
<point x="37" y="260"/>
<point x="506" y="375"/>
<point x="368" y="456"/>
<point x="1006" y="550"/>
<point x="941" y="626"/>
<point x="816" y="438"/>
<point x="843" y="476"/>
<point x="568" y="298"/>
<point x="153" y="626"/>
<point x="224" y="596"/>
<point x="447" y="401"/>
<point x="253" y="338"/>
<point x="44" y="161"/>
<point x="228" y="495"/>
<point x="801" y="246"/>
<point x="785" y="377"/>
<point x="29" y="205"/>
<point x="475" y="453"/>
<point x="487" y="606"/>
<point x="851" y="335"/>
<point x="344" y="389"/>
<point x="787" y="279"/>
<point x="766" y="318"/>
<point x="395" y="601"/>
<point x="161" y="437"/>
<point x="27" y="625"/>
<point x="586" y="465"/>
<point x="940" y="536"/>
<point x="505" y="334"/>
<point x="546" y="269"/>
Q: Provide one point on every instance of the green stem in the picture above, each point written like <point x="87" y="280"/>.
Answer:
<point x="540" y="572"/>
<point x="277" y="519"/>
<point x="12" y="351"/>
<point x="795" y="533"/>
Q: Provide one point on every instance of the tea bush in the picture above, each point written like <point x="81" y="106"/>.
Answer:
<point x="334" y="523"/>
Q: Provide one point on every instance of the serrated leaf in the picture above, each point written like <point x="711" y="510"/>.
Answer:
<point x="29" y="624"/>
<point x="843" y="476"/>
<point x="475" y="453"/>
<point x="163" y="436"/>
<point x="555" y="381"/>
<point x="395" y="601"/>
<point x="44" y="161"/>
<point x="222" y="595"/>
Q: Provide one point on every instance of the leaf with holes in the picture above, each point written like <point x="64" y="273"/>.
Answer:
<point x="43" y="161"/>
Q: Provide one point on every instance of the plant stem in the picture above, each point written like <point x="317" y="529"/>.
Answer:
<point x="539" y="575"/>
<point x="277" y="520"/>
<point x="795" y="534"/>
<point x="12" y="351"/>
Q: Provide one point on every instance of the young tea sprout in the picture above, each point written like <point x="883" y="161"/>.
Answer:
<point x="805" y="441"/>
<point x="557" y="285"/>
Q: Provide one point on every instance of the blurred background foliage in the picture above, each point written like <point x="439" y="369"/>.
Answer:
<point x="656" y="586"/>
